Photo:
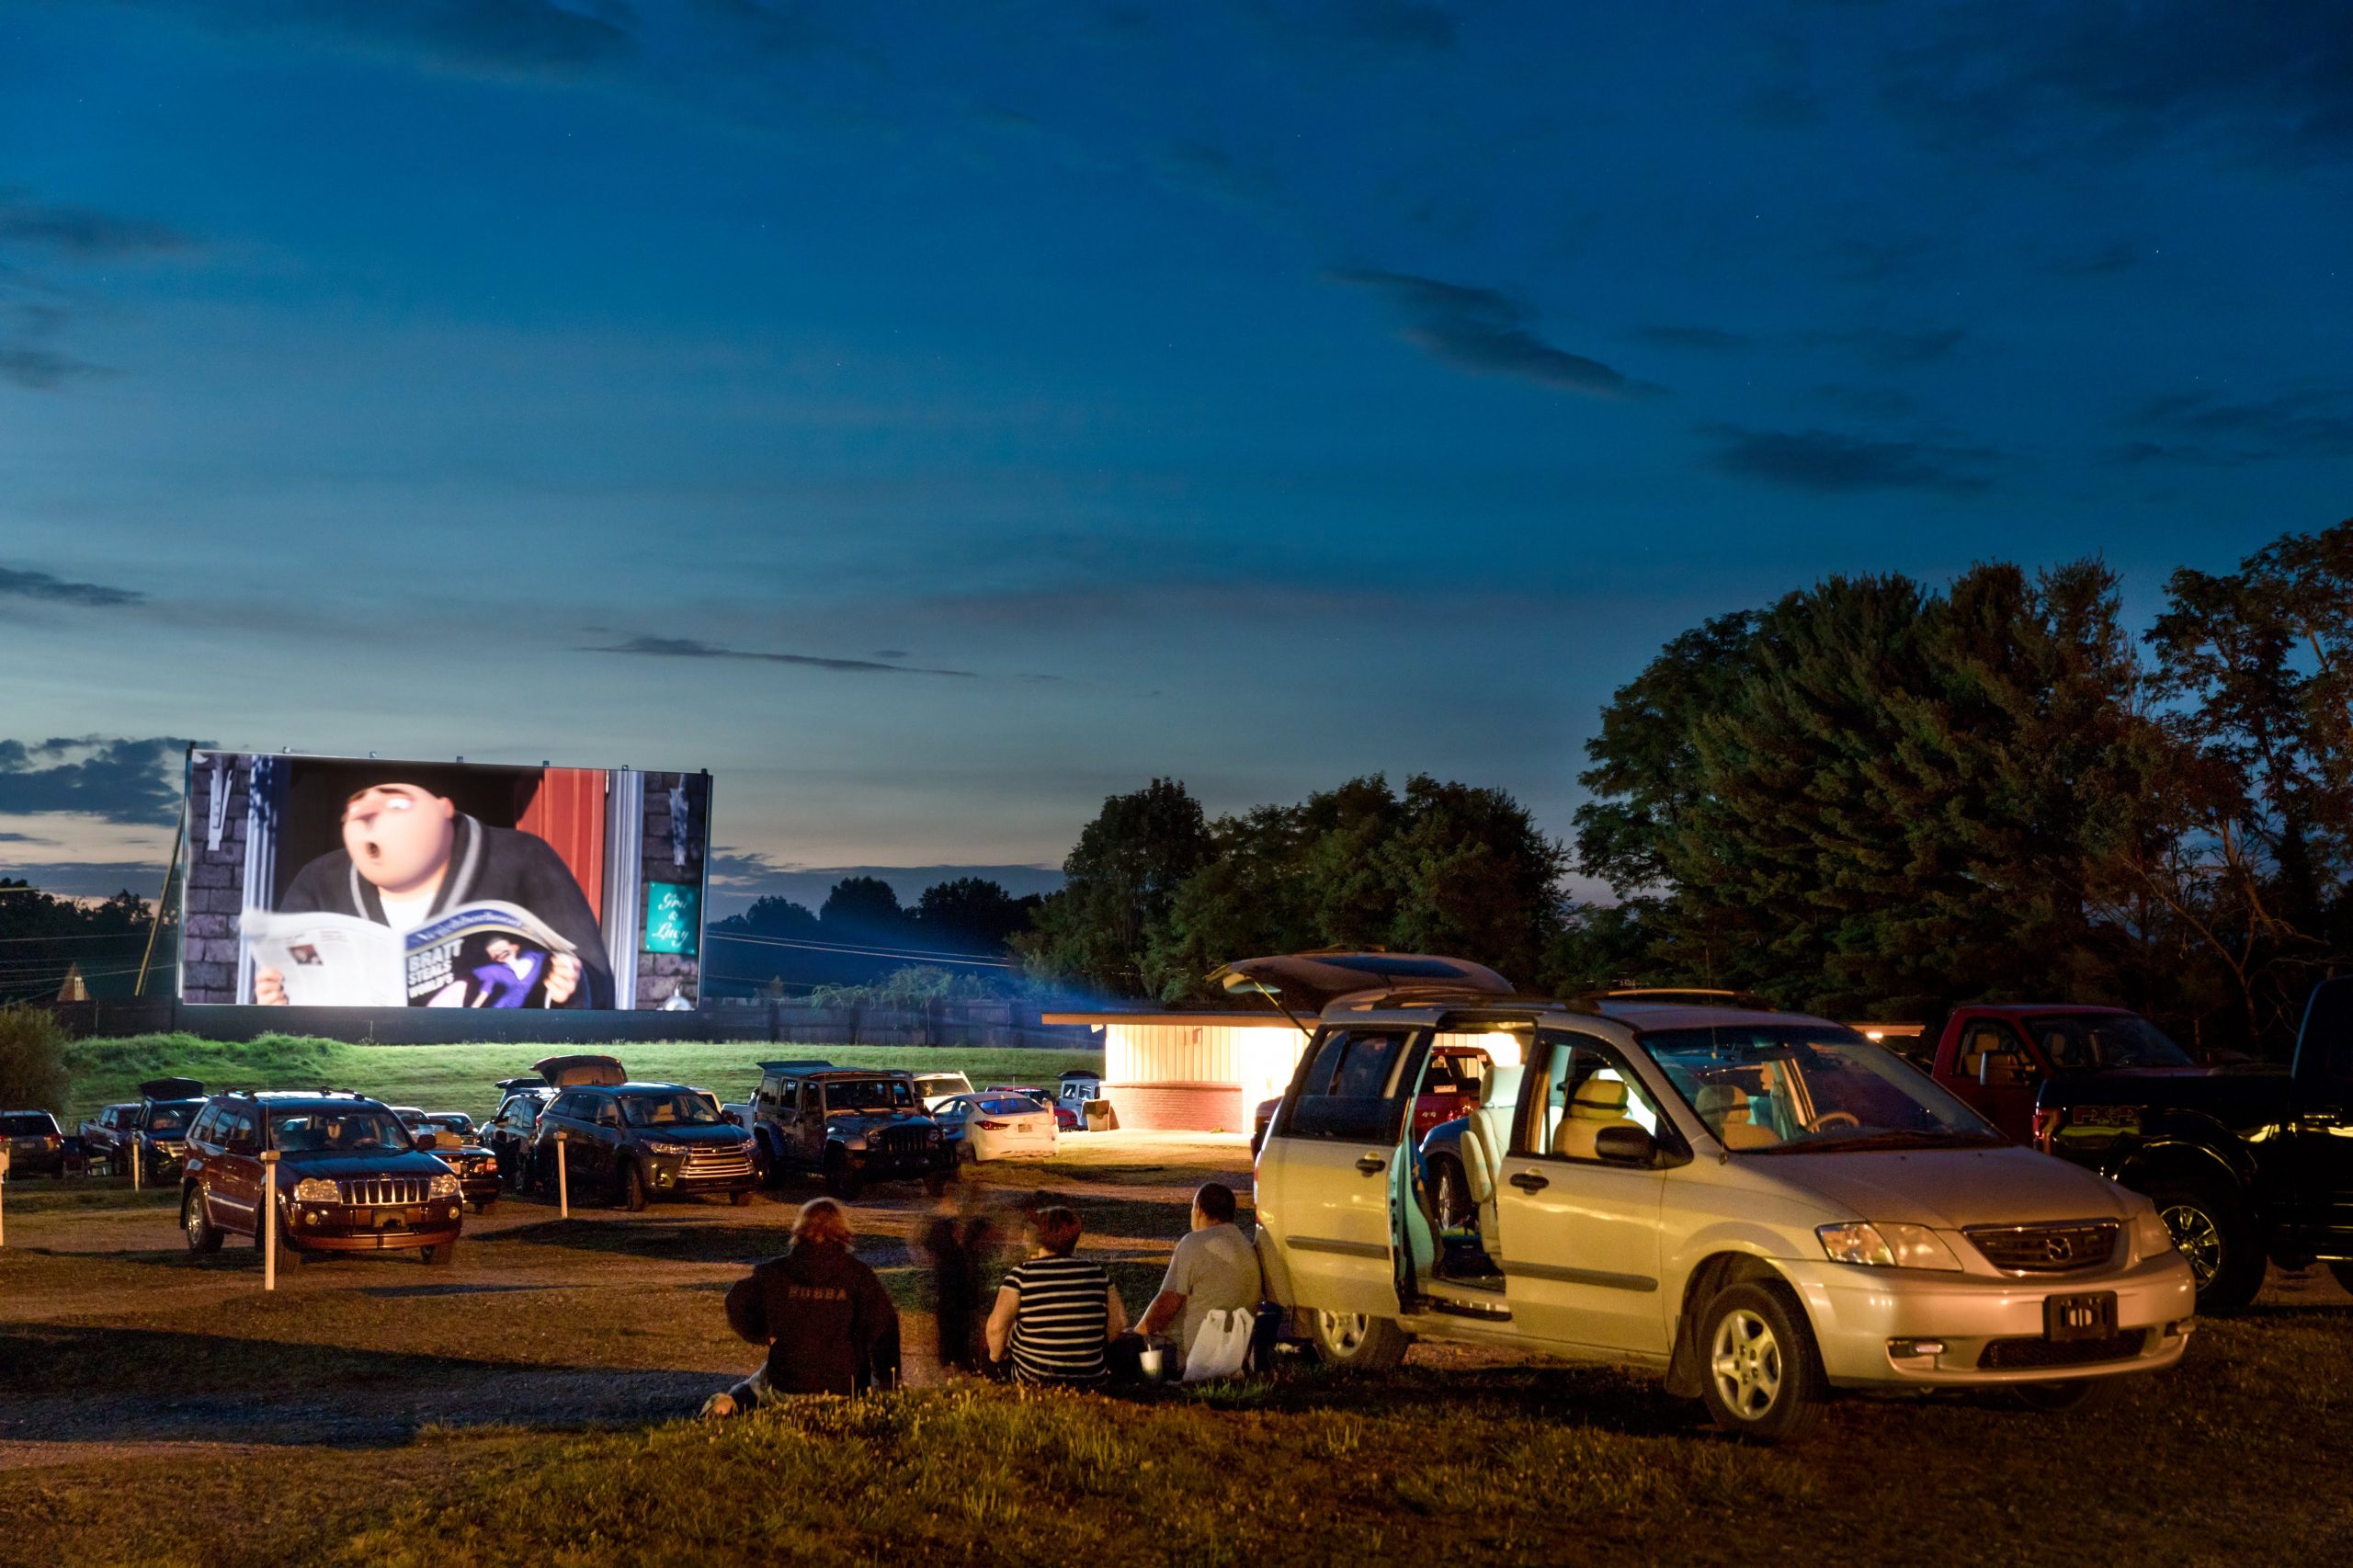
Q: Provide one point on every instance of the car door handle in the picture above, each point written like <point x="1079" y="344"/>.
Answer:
<point x="1529" y="1181"/>
<point x="1373" y="1164"/>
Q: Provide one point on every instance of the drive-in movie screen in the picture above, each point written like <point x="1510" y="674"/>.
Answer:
<point x="355" y="883"/>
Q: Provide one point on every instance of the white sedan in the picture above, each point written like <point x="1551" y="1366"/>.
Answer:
<point x="1001" y="1126"/>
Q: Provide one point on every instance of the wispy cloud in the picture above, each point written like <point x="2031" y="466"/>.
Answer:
<point x="21" y="583"/>
<point x="1697" y="339"/>
<point x="119" y="781"/>
<point x="1482" y="331"/>
<point x="499" y="37"/>
<point x="83" y="234"/>
<point x="1826" y="462"/>
<point x="2202" y="427"/>
<point x="1888" y="349"/>
<point x="690" y="648"/>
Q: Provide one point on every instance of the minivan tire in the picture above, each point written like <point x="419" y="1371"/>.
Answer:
<point x="633" y="1186"/>
<point x="1760" y="1375"/>
<point x="202" y="1235"/>
<point x="2216" y="1233"/>
<point x="1354" y="1341"/>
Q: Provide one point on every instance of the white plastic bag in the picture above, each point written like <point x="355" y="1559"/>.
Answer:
<point x="1221" y="1348"/>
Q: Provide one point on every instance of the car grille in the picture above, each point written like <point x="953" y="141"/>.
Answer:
<point x="903" y="1142"/>
<point x="718" y="1163"/>
<point x="370" y="1192"/>
<point x="2012" y="1353"/>
<point x="2047" y="1249"/>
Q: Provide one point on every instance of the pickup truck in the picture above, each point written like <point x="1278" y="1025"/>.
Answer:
<point x="1996" y="1057"/>
<point x="2244" y="1162"/>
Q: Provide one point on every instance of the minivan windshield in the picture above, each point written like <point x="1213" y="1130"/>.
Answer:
<point x="684" y="1109"/>
<point x="2079" y="1042"/>
<point x="1772" y="1088"/>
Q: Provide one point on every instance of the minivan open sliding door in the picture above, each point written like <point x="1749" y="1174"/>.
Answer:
<point x="1341" y="1132"/>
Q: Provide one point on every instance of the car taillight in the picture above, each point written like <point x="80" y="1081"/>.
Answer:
<point x="992" y="1126"/>
<point x="2047" y="1121"/>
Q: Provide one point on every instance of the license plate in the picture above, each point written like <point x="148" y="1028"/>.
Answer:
<point x="2125" y="1116"/>
<point x="2088" y="1316"/>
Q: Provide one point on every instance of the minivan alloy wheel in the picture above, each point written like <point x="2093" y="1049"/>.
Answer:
<point x="1746" y="1361"/>
<point x="2197" y="1238"/>
<point x="1343" y="1331"/>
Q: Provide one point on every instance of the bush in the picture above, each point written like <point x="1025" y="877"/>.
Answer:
<point x="32" y="1060"/>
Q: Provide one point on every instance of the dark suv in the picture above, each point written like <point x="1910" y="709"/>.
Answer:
<point x="852" y="1125"/>
<point x="33" y="1143"/>
<point x="349" y="1178"/>
<point x="507" y="1133"/>
<point x="638" y="1142"/>
<point x="157" y="1125"/>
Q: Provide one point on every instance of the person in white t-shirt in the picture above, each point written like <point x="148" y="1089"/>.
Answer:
<point x="1214" y="1268"/>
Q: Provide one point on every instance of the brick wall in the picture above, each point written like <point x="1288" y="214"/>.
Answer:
<point x="216" y="885"/>
<point x="1185" y="1107"/>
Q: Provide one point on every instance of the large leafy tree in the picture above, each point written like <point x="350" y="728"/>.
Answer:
<point x="970" y="914"/>
<point x="1117" y="884"/>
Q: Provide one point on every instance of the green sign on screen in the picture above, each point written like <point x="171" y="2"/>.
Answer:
<point x="672" y="918"/>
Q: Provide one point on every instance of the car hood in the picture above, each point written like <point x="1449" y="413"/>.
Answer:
<point x="863" y="1120"/>
<point x="1947" y="1188"/>
<point x="414" y="1162"/>
<point x="720" y="1132"/>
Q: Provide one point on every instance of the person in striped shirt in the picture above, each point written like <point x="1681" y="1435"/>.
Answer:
<point x="1056" y="1314"/>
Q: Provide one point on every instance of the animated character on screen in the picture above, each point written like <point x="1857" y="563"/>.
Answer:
<point x="409" y="855"/>
<point x="505" y="980"/>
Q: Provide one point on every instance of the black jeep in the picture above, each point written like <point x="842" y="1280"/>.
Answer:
<point x="852" y="1125"/>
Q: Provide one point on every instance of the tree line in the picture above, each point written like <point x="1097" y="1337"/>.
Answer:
<point x="1871" y="798"/>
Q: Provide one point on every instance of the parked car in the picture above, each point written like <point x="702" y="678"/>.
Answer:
<point x="934" y="1088"/>
<point x="1065" y="1118"/>
<point x="1077" y="1088"/>
<point x="156" y="1124"/>
<point x="1763" y="1206"/>
<point x="2246" y="1163"/>
<point x="35" y="1145"/>
<point x="849" y="1125"/>
<point x="349" y="1178"/>
<point x="1997" y="1057"/>
<point x="997" y="1127"/>
<point x="448" y="1136"/>
<point x="635" y="1142"/>
<point x="507" y="1133"/>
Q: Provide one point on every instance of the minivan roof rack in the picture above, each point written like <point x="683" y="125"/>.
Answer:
<point x="1697" y="995"/>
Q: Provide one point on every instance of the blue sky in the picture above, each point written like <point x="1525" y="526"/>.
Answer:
<point x="932" y="418"/>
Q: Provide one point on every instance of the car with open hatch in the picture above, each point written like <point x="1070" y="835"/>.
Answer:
<point x="1764" y="1207"/>
<point x="635" y="1142"/>
<point x="349" y="1178"/>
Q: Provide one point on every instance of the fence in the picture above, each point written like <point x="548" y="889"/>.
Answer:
<point x="977" y="1026"/>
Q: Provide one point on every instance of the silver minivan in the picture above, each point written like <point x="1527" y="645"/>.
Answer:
<point x="1763" y="1206"/>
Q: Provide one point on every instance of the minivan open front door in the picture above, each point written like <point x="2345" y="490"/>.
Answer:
<point x="1328" y="1198"/>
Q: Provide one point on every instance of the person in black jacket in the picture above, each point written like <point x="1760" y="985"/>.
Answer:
<point x="828" y="1323"/>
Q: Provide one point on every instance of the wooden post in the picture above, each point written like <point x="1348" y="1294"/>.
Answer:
<point x="562" y="1180"/>
<point x="269" y="1219"/>
<point x="134" y="1161"/>
<point x="3" y="1195"/>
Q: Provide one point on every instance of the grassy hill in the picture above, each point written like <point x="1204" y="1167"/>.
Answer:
<point x="460" y="1078"/>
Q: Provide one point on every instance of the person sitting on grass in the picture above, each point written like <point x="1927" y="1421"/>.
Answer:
<point x="1213" y="1269"/>
<point x="826" y="1321"/>
<point x="1056" y="1314"/>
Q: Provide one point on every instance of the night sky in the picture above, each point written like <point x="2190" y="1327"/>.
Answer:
<point x="932" y="418"/>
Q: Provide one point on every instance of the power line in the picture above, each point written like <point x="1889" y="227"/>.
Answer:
<point x="904" y="955"/>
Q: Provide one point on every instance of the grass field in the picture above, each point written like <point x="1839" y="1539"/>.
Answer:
<point x="460" y="1078"/>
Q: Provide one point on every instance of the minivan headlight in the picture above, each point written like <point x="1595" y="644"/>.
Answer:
<point x="2152" y="1237"/>
<point x="444" y="1186"/>
<point x="315" y="1190"/>
<point x="1887" y="1246"/>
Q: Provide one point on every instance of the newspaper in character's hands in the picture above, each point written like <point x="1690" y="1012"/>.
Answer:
<point x="488" y="953"/>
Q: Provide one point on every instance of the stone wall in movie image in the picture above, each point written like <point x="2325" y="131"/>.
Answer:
<point x="677" y="833"/>
<point x="219" y="792"/>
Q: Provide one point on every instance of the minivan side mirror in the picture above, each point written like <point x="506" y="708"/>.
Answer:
<point x="1625" y="1145"/>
